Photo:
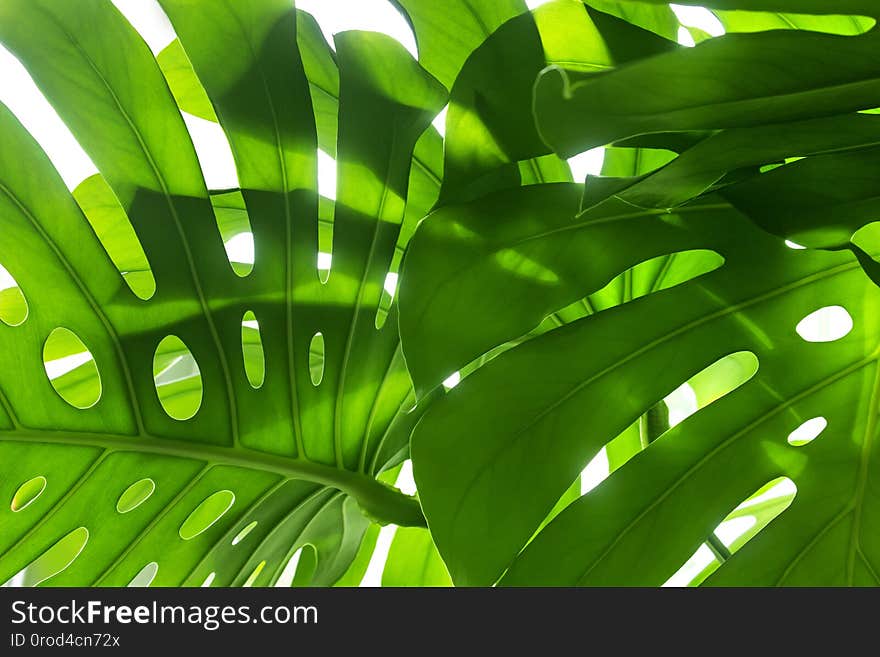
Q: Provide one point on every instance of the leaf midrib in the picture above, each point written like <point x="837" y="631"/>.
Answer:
<point x="288" y="256"/>
<point x="348" y="481"/>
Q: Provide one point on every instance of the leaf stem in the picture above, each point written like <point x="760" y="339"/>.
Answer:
<point x="719" y="549"/>
<point x="653" y="423"/>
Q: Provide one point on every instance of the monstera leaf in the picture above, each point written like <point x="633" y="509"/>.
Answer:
<point x="205" y="420"/>
<point x="576" y="311"/>
<point x="795" y="98"/>
<point x="494" y="456"/>
<point x="699" y="321"/>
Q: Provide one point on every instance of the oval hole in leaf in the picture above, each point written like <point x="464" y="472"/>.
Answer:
<point x="825" y="325"/>
<point x="253" y="576"/>
<point x="145" y="576"/>
<point x="135" y="495"/>
<point x="71" y="369"/>
<point x="52" y="561"/>
<point x="13" y="305"/>
<point x="316" y="358"/>
<point x="28" y="493"/>
<point x="240" y="536"/>
<point x="178" y="379"/>
<point x="116" y="234"/>
<point x="252" y="350"/>
<point x="807" y="432"/>
<point x="206" y="514"/>
<point x="209" y="579"/>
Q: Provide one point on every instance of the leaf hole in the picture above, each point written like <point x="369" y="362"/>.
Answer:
<point x="206" y="514"/>
<point x="177" y="378"/>
<point x="316" y="358"/>
<point x="113" y="229"/>
<point x="28" y="493"/>
<point x="13" y="305"/>
<point x="252" y="578"/>
<point x="135" y="495"/>
<point x="53" y="561"/>
<point x="825" y="325"/>
<point x="252" y="350"/>
<point x="71" y="369"/>
<point x="145" y="576"/>
<point x="240" y="536"/>
<point x="209" y="580"/>
<point x="807" y="432"/>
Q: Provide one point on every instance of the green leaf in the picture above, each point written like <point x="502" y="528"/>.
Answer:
<point x="700" y="167"/>
<point x="413" y="560"/>
<point x="490" y="125"/>
<point x="782" y="76"/>
<point x="542" y="409"/>
<point x="749" y="21"/>
<point x="818" y="201"/>
<point x="819" y="7"/>
<point x="299" y="460"/>
<point x="183" y="82"/>
<point x="172" y="413"/>
<point x="447" y="33"/>
<point x="657" y="18"/>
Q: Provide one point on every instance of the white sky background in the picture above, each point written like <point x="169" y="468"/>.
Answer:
<point x="20" y="94"/>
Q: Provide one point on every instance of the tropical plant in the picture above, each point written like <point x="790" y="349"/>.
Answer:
<point x="702" y="315"/>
